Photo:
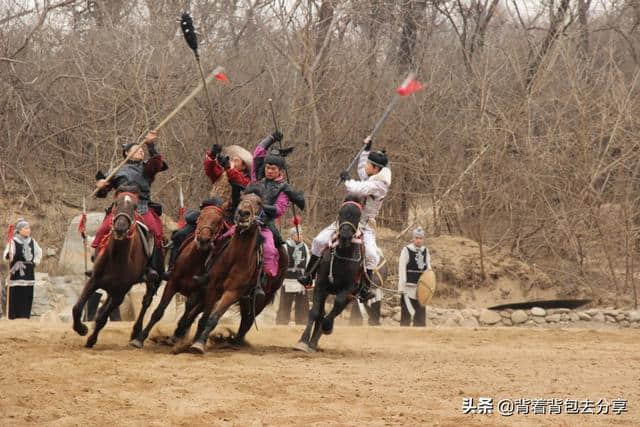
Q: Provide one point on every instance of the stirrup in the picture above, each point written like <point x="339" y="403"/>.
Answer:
<point x="201" y="280"/>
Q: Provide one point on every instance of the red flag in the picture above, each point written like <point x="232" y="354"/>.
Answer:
<point x="222" y="77"/>
<point x="409" y="87"/>
<point x="10" y="233"/>
<point x="181" y="221"/>
<point x="82" y="225"/>
<point x="296" y="220"/>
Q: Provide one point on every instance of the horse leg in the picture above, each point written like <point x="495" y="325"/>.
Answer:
<point x="169" y="291"/>
<point x="211" y="321"/>
<point x="102" y="316"/>
<point x="193" y="307"/>
<point x="342" y="299"/>
<point x="317" y="328"/>
<point x="315" y="315"/>
<point x="87" y="291"/>
<point x="146" y="302"/>
<point x="246" y="321"/>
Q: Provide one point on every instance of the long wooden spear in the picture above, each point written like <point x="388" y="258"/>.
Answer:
<point x="286" y="170"/>
<point x="409" y="85"/>
<point x="214" y="75"/>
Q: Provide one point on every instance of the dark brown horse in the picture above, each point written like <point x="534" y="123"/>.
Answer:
<point x="235" y="273"/>
<point x="120" y="264"/>
<point x="190" y="262"/>
<point x="338" y="274"/>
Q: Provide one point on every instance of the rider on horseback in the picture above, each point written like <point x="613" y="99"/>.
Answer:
<point x="268" y="174"/>
<point x="216" y="163"/>
<point x="140" y="174"/>
<point x="375" y="179"/>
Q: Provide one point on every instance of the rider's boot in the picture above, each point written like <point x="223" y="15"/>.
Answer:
<point x="258" y="291"/>
<point x="150" y="274"/>
<point x="306" y="278"/>
<point x="364" y="293"/>
<point x="173" y="256"/>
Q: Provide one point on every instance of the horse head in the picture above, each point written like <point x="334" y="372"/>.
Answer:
<point x="248" y="208"/>
<point x="208" y="226"/>
<point x="124" y="211"/>
<point x="348" y="219"/>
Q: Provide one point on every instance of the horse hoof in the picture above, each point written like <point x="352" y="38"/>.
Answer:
<point x="196" y="348"/>
<point x="90" y="344"/>
<point x="302" y="346"/>
<point x="81" y="330"/>
<point x="135" y="343"/>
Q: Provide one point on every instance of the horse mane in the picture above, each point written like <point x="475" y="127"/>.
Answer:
<point x="353" y="198"/>
<point x="253" y="189"/>
<point x="127" y="189"/>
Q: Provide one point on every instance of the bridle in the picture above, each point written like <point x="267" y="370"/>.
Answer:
<point x="252" y="210"/>
<point x="334" y="254"/>
<point x="353" y="226"/>
<point x="128" y="217"/>
<point x="200" y="227"/>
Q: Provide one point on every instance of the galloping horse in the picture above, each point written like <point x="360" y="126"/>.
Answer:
<point x="120" y="264"/>
<point x="337" y="275"/>
<point x="235" y="273"/>
<point x="190" y="262"/>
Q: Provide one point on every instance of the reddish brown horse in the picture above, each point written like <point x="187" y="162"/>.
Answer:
<point x="120" y="264"/>
<point x="190" y="262"/>
<point x="235" y="273"/>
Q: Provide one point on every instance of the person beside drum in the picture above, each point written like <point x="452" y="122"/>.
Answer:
<point x="414" y="261"/>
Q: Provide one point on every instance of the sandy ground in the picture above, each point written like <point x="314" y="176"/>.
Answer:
<point x="363" y="376"/>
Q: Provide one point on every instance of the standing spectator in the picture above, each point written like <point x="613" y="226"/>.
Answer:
<point x="23" y="253"/>
<point x="414" y="260"/>
<point x="292" y="291"/>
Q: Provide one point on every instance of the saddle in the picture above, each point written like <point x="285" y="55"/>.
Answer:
<point x="148" y="240"/>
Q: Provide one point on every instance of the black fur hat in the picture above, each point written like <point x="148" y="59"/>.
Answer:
<point x="379" y="158"/>
<point x="277" y="157"/>
<point x="126" y="147"/>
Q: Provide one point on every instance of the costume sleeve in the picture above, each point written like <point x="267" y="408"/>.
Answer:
<point x="365" y="188"/>
<point x="362" y="162"/>
<point x="237" y="177"/>
<point x="428" y="259"/>
<point x="212" y="168"/>
<point x="257" y="172"/>
<point x="9" y="250"/>
<point x="306" y="255"/>
<point x="37" y="253"/>
<point x="402" y="269"/>
<point x="155" y="164"/>
<point x="281" y="204"/>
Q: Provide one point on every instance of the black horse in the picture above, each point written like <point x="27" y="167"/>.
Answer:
<point x="338" y="274"/>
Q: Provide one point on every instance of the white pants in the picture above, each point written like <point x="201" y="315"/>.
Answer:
<point x="371" y="252"/>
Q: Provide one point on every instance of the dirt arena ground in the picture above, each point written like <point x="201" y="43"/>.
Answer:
<point x="363" y="376"/>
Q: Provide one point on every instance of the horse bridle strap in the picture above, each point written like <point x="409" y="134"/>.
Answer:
<point x="127" y="193"/>
<point x="205" y="227"/>
<point x="351" y="202"/>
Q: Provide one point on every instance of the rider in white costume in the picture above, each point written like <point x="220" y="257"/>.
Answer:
<point x="375" y="179"/>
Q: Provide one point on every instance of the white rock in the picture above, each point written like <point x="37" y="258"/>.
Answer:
<point x="489" y="317"/>
<point x="583" y="315"/>
<point x="598" y="317"/>
<point x="507" y="322"/>
<point x="519" y="316"/>
<point x="539" y="319"/>
<point x="609" y="318"/>
<point x="538" y="311"/>
<point x="634" y="316"/>
<point x="573" y="316"/>
<point x="72" y="254"/>
<point x="553" y="318"/>
<point x="469" y="323"/>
